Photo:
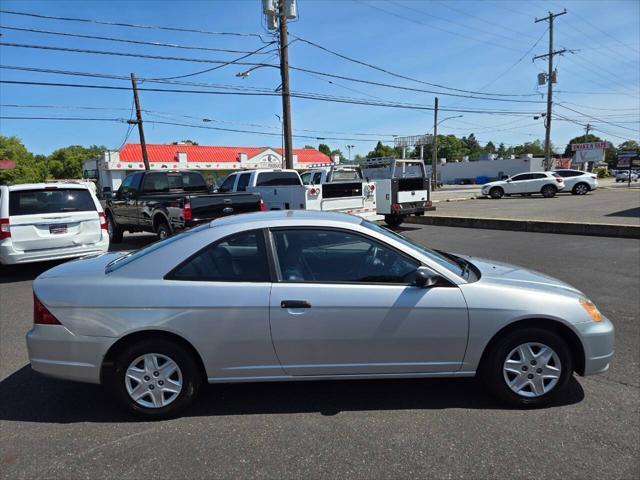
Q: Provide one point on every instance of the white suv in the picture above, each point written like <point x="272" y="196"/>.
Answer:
<point x="50" y="221"/>
<point x="578" y="182"/>
<point x="545" y="183"/>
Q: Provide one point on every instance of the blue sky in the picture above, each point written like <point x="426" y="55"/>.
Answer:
<point x="468" y="45"/>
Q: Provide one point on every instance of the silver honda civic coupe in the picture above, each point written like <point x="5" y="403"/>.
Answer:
<point x="303" y="296"/>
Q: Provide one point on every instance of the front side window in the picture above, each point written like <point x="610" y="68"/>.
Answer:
<point x="239" y="258"/>
<point x="227" y="185"/>
<point x="243" y="181"/>
<point x="306" y="178"/>
<point x="317" y="178"/>
<point x="325" y="256"/>
<point x="518" y="178"/>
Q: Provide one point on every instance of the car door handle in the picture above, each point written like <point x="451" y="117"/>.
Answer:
<point x="294" y="304"/>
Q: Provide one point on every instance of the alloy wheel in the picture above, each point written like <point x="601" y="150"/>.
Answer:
<point x="153" y="380"/>
<point x="581" y="189"/>
<point x="532" y="369"/>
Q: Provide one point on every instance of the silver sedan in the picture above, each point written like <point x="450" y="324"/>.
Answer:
<point x="303" y="296"/>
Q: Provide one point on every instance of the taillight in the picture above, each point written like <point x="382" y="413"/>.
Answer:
<point x="186" y="211"/>
<point x="5" y="229"/>
<point x="559" y="180"/>
<point x="428" y="203"/>
<point x="314" y="191"/>
<point x="372" y="187"/>
<point x="262" y="209"/>
<point x="103" y="220"/>
<point x="42" y="316"/>
<point x="396" y="207"/>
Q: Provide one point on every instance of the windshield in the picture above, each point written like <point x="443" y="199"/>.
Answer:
<point x="129" y="257"/>
<point x="437" y="257"/>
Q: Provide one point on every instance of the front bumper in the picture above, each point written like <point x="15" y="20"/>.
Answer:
<point x="598" y="343"/>
<point x="56" y="352"/>
<point x="11" y="256"/>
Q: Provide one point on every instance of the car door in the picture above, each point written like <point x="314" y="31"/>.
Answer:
<point x="223" y="296"/>
<point x="345" y="304"/>
<point x="120" y="204"/>
<point x="516" y="184"/>
<point x="537" y="181"/>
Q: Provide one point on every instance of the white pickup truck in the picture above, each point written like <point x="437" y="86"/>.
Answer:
<point x="279" y="189"/>
<point x="402" y="187"/>
<point x="340" y="188"/>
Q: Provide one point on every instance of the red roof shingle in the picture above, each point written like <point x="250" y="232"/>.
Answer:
<point x="132" y="152"/>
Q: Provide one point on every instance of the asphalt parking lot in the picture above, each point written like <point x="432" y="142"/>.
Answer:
<point x="363" y="429"/>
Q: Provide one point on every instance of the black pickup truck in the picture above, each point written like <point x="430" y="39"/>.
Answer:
<point x="166" y="202"/>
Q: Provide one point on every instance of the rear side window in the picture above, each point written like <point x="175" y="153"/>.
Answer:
<point x="192" y="181"/>
<point x="535" y="176"/>
<point x="156" y="182"/>
<point x="239" y="258"/>
<point x="59" y="200"/>
<point x="273" y="179"/>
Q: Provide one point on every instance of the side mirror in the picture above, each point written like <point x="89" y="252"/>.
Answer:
<point x="426" y="278"/>
<point x="508" y="180"/>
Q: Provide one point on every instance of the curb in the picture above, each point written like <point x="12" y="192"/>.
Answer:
<point x="565" y="228"/>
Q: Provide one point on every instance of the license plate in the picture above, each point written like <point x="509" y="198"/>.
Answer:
<point x="57" y="229"/>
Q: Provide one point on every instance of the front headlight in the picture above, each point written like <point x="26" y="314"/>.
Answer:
<point x="591" y="309"/>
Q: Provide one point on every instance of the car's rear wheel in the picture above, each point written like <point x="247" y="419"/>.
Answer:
<point x="496" y="192"/>
<point x="114" y="231"/>
<point x="393" y="220"/>
<point x="580" y="189"/>
<point x="528" y="367"/>
<point x="548" y="191"/>
<point x="156" y="378"/>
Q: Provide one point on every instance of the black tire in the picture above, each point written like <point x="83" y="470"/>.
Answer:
<point x="190" y="372"/>
<point x="580" y="188"/>
<point x="115" y="232"/>
<point x="393" y="221"/>
<point x="549" y="191"/>
<point x="162" y="229"/>
<point x="493" y="376"/>
<point x="496" y="193"/>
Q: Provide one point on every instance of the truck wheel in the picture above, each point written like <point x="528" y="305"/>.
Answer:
<point x="393" y="220"/>
<point x="548" y="191"/>
<point x="114" y="231"/>
<point x="162" y="230"/>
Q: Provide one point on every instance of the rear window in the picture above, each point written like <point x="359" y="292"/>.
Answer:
<point x="338" y="176"/>
<point x="272" y="179"/>
<point x="59" y="200"/>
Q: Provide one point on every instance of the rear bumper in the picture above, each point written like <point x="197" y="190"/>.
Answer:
<point x="10" y="256"/>
<point x="56" y="352"/>
<point x="598" y="343"/>
<point x="412" y="208"/>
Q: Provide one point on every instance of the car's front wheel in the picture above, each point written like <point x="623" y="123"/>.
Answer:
<point x="156" y="378"/>
<point x="496" y="192"/>
<point x="528" y="367"/>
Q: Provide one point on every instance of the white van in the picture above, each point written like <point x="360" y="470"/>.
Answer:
<point x="279" y="189"/>
<point x="50" y="221"/>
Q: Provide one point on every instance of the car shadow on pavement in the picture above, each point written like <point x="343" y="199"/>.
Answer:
<point x="628" y="213"/>
<point x="30" y="397"/>
<point x="25" y="272"/>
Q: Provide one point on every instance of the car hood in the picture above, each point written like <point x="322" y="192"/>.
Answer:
<point x="491" y="184"/>
<point x="88" y="266"/>
<point x="515" y="276"/>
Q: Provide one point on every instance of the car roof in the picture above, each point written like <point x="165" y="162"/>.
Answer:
<point x="51" y="185"/>
<point x="284" y="215"/>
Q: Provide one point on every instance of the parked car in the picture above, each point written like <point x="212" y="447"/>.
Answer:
<point x="167" y="202"/>
<point x="302" y="295"/>
<point x="623" y="176"/>
<point x="50" y="221"/>
<point x="577" y="181"/>
<point x="545" y="183"/>
<point x="279" y="189"/>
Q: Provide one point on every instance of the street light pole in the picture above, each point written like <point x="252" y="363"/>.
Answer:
<point x="349" y="147"/>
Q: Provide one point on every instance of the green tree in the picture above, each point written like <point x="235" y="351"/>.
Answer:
<point x="535" y="148"/>
<point x="28" y="168"/>
<point x="324" y="148"/>
<point x="338" y="152"/>
<point x="471" y="147"/>
<point x="489" y="148"/>
<point x="502" y="150"/>
<point x="629" y="145"/>
<point x="66" y="162"/>
<point x="383" y="150"/>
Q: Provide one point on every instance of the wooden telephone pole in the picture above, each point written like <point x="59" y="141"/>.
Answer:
<point x="550" y="81"/>
<point x="286" y="99"/>
<point x="138" y="121"/>
<point x="434" y="149"/>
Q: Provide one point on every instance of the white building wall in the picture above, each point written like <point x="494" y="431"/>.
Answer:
<point x="452" y="172"/>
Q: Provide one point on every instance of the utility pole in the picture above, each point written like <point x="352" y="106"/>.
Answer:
<point x="587" y="128"/>
<point x="284" y="73"/>
<point x="550" y="82"/>
<point x="138" y="121"/>
<point x="434" y="150"/>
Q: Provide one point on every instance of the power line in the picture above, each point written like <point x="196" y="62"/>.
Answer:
<point x="129" y="25"/>
<point x="634" y="109"/>
<point x="123" y="40"/>
<point x="562" y="118"/>
<point x="309" y="96"/>
<point x="596" y="118"/>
